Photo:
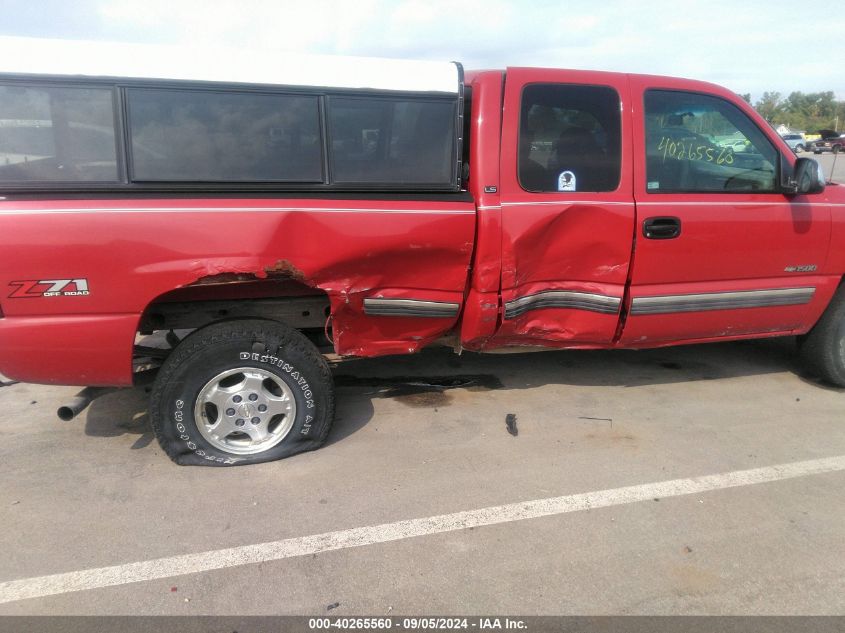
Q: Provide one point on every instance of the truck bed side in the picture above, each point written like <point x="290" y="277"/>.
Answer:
<point x="409" y="256"/>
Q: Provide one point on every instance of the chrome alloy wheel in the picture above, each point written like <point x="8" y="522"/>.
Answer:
<point x="245" y="410"/>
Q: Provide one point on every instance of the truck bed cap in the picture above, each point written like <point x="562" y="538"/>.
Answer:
<point x="28" y="56"/>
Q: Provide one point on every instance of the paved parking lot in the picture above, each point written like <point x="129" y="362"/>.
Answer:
<point x="833" y="166"/>
<point x="408" y="459"/>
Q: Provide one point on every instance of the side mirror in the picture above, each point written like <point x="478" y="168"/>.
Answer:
<point x="807" y="177"/>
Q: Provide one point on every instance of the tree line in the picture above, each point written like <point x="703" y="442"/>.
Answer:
<point x="808" y="112"/>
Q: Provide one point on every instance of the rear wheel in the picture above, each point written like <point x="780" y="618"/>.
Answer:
<point x="242" y="392"/>
<point x="823" y="348"/>
<point x="837" y="149"/>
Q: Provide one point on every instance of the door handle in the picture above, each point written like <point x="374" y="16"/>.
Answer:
<point x="662" y="228"/>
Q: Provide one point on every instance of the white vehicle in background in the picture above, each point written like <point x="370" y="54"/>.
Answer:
<point x="796" y="142"/>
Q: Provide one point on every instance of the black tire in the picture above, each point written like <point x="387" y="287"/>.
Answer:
<point x="817" y="151"/>
<point x="271" y="349"/>
<point x="823" y="348"/>
<point x="837" y="149"/>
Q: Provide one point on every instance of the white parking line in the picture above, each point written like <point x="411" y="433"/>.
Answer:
<point x="55" y="584"/>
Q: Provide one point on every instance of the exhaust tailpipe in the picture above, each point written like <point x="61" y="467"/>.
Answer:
<point x="80" y="402"/>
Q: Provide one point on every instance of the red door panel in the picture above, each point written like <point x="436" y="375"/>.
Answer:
<point x="565" y="254"/>
<point x="744" y="262"/>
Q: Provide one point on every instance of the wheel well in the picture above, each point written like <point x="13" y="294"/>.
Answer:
<point x="195" y="306"/>
<point x="173" y="315"/>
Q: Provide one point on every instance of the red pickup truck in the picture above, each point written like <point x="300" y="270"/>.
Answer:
<point x="258" y="222"/>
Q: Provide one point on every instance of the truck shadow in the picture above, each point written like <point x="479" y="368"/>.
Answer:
<point x="428" y="379"/>
<point x="121" y="412"/>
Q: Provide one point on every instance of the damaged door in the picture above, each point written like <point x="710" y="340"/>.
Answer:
<point x="567" y="207"/>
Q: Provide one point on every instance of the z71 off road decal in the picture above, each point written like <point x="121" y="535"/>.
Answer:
<point x="49" y="288"/>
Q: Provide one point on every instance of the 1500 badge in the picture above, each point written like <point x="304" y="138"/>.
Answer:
<point x="49" y="288"/>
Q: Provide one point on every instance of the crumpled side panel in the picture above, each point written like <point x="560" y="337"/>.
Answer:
<point x="129" y="252"/>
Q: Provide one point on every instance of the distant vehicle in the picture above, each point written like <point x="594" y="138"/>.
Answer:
<point x="795" y="141"/>
<point x="831" y="141"/>
<point x="738" y="145"/>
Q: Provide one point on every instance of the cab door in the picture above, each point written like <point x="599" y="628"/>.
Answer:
<point x="566" y="206"/>
<point x="721" y="251"/>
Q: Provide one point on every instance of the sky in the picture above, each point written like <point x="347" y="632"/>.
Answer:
<point x="749" y="46"/>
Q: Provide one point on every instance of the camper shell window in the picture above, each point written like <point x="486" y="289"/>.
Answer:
<point x="188" y="135"/>
<point x="391" y="140"/>
<point x="172" y="135"/>
<point x="56" y="135"/>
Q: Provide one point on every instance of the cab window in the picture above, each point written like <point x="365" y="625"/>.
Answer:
<point x="569" y="138"/>
<point x="699" y="143"/>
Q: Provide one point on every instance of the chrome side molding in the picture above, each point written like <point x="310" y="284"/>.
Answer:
<point x="563" y="299"/>
<point x="722" y="300"/>
<point x="410" y="308"/>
